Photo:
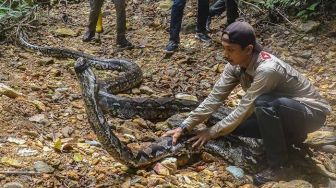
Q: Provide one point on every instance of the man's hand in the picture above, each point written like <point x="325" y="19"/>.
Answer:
<point x="202" y="137"/>
<point x="175" y="133"/>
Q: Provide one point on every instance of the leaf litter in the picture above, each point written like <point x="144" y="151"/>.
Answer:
<point x="35" y="83"/>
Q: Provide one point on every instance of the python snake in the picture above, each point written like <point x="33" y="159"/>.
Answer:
<point x="103" y="100"/>
<point x="123" y="107"/>
<point x="244" y="152"/>
<point x="226" y="147"/>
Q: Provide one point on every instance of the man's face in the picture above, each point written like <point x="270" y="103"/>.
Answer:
<point x="236" y="55"/>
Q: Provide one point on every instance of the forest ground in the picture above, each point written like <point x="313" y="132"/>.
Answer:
<point x="192" y="70"/>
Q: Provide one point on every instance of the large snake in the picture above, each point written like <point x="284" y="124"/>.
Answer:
<point x="103" y="100"/>
<point x="147" y="108"/>
<point x="228" y="148"/>
<point x="244" y="152"/>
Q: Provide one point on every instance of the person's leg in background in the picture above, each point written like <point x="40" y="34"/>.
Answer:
<point x="95" y="8"/>
<point x="231" y="11"/>
<point x="202" y="15"/>
<point x="219" y="7"/>
<point x="122" y="42"/>
<point x="215" y="9"/>
<point x="175" y="25"/>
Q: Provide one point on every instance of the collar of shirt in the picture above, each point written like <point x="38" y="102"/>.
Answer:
<point x="253" y="64"/>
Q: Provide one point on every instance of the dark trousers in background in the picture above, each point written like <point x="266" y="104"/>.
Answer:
<point x="280" y="122"/>
<point x="219" y="7"/>
<point x="177" y="15"/>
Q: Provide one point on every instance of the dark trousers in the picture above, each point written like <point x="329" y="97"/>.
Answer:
<point x="177" y="15"/>
<point x="280" y="122"/>
<point x="219" y="7"/>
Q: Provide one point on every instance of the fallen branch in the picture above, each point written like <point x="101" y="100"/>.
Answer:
<point x="279" y="12"/>
<point x="20" y="172"/>
<point x="253" y="5"/>
<point x="11" y="93"/>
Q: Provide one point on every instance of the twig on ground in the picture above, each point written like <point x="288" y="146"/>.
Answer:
<point x="253" y="5"/>
<point x="274" y="24"/>
<point x="20" y="172"/>
<point x="25" y="21"/>
<point x="279" y="12"/>
<point x="280" y="26"/>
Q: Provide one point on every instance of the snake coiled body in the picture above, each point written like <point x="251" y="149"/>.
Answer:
<point x="157" y="150"/>
<point x="131" y="78"/>
<point x="123" y="107"/>
<point x="99" y="99"/>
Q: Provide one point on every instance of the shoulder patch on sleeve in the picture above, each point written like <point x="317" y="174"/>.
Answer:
<point x="265" y="55"/>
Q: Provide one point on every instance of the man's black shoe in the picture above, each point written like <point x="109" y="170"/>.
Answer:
<point x="123" y="43"/>
<point x="208" y="23"/>
<point x="203" y="37"/>
<point x="88" y="36"/>
<point x="171" y="47"/>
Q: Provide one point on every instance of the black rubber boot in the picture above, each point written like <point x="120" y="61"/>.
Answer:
<point x="123" y="43"/>
<point x="88" y="35"/>
<point x="95" y="8"/>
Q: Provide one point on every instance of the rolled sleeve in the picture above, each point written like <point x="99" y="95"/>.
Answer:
<point x="264" y="82"/>
<point x="219" y="93"/>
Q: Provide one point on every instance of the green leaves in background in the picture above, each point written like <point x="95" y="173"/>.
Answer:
<point x="14" y="8"/>
<point x="303" y="9"/>
<point x="305" y="13"/>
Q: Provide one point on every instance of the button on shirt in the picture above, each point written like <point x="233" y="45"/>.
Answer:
<point x="265" y="73"/>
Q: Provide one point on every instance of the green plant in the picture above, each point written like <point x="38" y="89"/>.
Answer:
<point x="303" y="9"/>
<point x="309" y="11"/>
<point x="12" y="14"/>
<point x="270" y="4"/>
<point x="14" y="8"/>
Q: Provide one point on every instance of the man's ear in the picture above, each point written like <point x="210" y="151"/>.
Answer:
<point x="249" y="48"/>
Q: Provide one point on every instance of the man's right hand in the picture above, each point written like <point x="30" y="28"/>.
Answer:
<point x="175" y="133"/>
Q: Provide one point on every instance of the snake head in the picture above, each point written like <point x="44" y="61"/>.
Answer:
<point x="81" y="65"/>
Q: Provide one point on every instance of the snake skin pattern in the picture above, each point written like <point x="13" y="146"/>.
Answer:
<point x="123" y="107"/>
<point x="228" y="147"/>
<point x="99" y="99"/>
<point x="131" y="78"/>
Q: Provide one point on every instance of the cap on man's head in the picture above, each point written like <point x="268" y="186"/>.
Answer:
<point x="241" y="33"/>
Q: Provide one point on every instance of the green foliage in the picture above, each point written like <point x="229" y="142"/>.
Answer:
<point x="303" y="9"/>
<point x="272" y="3"/>
<point x="14" y="9"/>
<point x="309" y="11"/>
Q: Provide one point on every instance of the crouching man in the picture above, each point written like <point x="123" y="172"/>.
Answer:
<point x="280" y="105"/>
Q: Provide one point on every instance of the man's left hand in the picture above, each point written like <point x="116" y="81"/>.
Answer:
<point x="202" y="137"/>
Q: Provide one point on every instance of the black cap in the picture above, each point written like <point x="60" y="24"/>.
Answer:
<point x="241" y="33"/>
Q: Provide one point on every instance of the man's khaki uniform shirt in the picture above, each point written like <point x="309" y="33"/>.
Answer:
<point x="265" y="74"/>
